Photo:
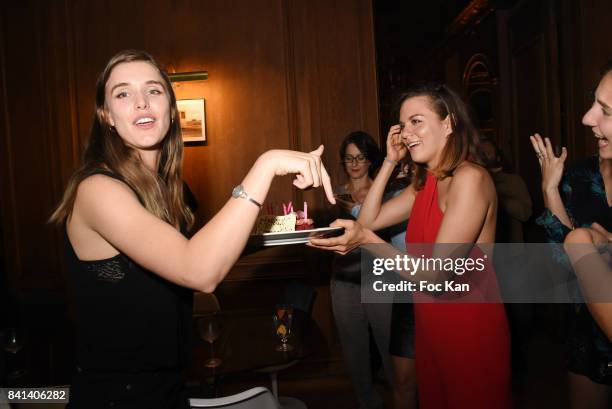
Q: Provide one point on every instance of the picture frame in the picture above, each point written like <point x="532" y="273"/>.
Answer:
<point x="192" y="116"/>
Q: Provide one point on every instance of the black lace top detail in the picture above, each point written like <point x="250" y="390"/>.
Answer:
<point x="106" y="270"/>
<point x="127" y="318"/>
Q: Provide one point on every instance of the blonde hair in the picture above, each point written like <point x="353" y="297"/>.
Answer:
<point x="160" y="192"/>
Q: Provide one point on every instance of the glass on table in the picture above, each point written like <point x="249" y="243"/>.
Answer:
<point x="283" y="320"/>
<point x="209" y="328"/>
<point x="11" y="340"/>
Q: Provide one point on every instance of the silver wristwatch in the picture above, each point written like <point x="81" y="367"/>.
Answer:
<point x="239" y="192"/>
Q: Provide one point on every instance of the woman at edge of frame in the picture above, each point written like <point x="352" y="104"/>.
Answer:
<point x="576" y="197"/>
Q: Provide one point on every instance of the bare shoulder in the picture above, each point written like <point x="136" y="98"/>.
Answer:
<point x="100" y="197"/>
<point x="469" y="172"/>
<point x="470" y="176"/>
<point x="101" y="188"/>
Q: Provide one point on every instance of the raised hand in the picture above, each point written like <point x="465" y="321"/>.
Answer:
<point x="551" y="165"/>
<point x="396" y="149"/>
<point x="308" y="168"/>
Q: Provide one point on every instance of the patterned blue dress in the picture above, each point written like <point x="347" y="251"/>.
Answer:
<point x="584" y="196"/>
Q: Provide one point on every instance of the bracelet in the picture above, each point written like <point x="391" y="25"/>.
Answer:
<point x="391" y="161"/>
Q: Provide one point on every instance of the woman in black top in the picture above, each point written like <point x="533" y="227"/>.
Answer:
<point x="574" y="198"/>
<point x="124" y="212"/>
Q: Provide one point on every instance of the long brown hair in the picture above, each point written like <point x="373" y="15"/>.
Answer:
<point x="160" y="192"/>
<point x="461" y="143"/>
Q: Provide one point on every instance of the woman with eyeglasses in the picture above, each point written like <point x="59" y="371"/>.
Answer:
<point x="361" y="158"/>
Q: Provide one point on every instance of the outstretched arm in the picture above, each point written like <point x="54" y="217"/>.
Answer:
<point x="109" y="209"/>
<point x="470" y="199"/>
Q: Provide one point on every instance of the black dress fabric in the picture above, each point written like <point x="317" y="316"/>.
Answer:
<point x="346" y="268"/>
<point x="132" y="335"/>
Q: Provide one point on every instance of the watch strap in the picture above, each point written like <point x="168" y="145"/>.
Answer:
<point x="255" y="202"/>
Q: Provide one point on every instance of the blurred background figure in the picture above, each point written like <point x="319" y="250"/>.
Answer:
<point x="513" y="200"/>
<point x="514" y="207"/>
<point x="402" y="314"/>
<point x="361" y="158"/>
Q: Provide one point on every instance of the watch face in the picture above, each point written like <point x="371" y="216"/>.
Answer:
<point x="237" y="192"/>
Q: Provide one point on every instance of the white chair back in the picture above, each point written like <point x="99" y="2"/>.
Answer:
<point x="256" y="398"/>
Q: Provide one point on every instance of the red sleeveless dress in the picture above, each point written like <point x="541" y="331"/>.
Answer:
<point x="462" y="350"/>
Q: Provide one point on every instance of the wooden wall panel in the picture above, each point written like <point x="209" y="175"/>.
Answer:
<point x="282" y="74"/>
<point x="531" y="85"/>
<point x="554" y="51"/>
<point x="548" y="57"/>
<point x="593" y="18"/>
<point x="33" y="124"/>
<point x="7" y="197"/>
<point x="336" y="90"/>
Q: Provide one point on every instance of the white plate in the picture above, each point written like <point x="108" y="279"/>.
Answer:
<point x="293" y="237"/>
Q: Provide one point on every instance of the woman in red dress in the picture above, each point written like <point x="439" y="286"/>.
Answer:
<point x="462" y="348"/>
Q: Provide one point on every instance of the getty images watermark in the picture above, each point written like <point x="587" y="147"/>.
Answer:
<point x="489" y="273"/>
<point x="405" y="266"/>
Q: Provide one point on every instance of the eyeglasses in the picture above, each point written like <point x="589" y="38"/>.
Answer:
<point x="350" y="158"/>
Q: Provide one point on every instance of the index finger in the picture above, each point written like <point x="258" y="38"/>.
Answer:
<point x="331" y="242"/>
<point x="338" y="249"/>
<point x="329" y="192"/>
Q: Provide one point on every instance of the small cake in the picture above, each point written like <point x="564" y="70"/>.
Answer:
<point x="302" y="222"/>
<point x="269" y="223"/>
<point x="288" y="222"/>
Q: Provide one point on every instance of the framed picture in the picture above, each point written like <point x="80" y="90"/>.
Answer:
<point x="192" y="114"/>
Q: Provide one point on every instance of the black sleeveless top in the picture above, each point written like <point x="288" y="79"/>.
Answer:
<point x="129" y="321"/>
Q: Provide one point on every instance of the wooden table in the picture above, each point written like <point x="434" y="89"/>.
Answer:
<point x="248" y="341"/>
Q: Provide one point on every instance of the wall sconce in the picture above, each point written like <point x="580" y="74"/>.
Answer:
<point x="188" y="76"/>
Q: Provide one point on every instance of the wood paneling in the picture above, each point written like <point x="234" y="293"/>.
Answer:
<point x="33" y="124"/>
<point x="551" y="52"/>
<point x="548" y="58"/>
<point x="282" y="74"/>
<point x="592" y="20"/>
<point x="335" y="86"/>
